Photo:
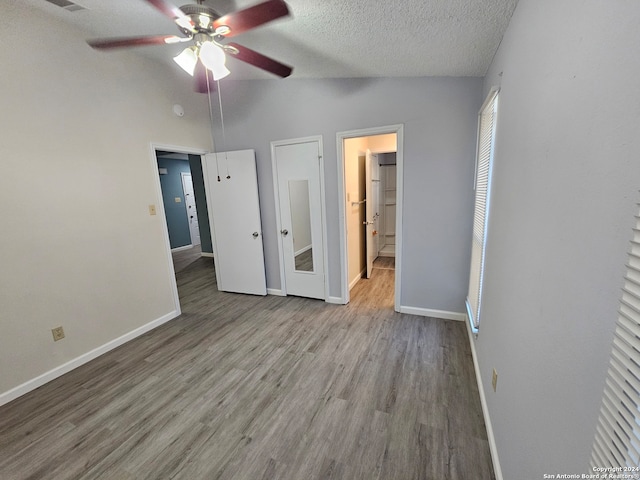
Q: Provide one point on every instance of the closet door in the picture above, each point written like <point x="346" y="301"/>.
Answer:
<point x="231" y="185"/>
<point x="297" y="184"/>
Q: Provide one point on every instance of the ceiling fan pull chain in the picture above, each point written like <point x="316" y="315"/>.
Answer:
<point x="211" y="122"/>
<point x="224" y="136"/>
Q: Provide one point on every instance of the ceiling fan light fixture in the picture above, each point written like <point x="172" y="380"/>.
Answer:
<point x="187" y="60"/>
<point x="220" y="72"/>
<point x="212" y="56"/>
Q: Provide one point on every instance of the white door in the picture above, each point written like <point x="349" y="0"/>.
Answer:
<point x="372" y="195"/>
<point x="234" y="215"/>
<point x="190" y="204"/>
<point x="299" y="203"/>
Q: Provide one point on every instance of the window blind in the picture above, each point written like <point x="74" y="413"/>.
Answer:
<point x="484" y="160"/>
<point x="617" y="440"/>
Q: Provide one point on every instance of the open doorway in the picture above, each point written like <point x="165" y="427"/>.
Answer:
<point x="370" y="171"/>
<point x="159" y="207"/>
<point x="184" y="206"/>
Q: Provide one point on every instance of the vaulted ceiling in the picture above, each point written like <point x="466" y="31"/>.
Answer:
<point x="328" y="38"/>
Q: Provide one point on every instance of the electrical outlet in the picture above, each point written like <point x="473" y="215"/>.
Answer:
<point x="58" y="333"/>
<point x="152" y="209"/>
<point x="494" y="379"/>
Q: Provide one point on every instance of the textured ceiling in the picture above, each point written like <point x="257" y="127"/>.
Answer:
<point x="330" y="38"/>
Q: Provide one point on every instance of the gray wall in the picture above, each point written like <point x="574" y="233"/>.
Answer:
<point x="566" y="179"/>
<point x="439" y="115"/>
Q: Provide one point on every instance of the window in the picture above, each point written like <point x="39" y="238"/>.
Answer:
<point x="617" y="441"/>
<point x="484" y="161"/>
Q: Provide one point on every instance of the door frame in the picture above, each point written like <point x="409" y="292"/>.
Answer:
<point x="159" y="204"/>
<point x="398" y="129"/>
<point x="323" y="217"/>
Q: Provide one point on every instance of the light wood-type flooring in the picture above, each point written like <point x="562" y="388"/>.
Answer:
<point x="262" y="388"/>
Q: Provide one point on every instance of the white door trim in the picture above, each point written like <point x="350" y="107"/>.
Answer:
<point x="344" y="264"/>
<point x="159" y="203"/>
<point x="323" y="216"/>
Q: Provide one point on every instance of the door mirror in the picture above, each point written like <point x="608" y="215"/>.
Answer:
<point x="301" y="225"/>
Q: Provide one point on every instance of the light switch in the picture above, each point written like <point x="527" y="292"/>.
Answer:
<point x="152" y="209"/>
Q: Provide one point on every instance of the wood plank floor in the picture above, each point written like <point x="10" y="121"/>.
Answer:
<point x="183" y="258"/>
<point x="243" y="387"/>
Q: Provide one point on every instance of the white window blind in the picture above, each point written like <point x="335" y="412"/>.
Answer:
<point x="484" y="159"/>
<point x="617" y="440"/>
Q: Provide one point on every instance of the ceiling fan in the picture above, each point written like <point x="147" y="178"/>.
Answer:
<point x="205" y="59"/>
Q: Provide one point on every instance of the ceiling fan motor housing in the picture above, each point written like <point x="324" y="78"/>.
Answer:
<point x="202" y="18"/>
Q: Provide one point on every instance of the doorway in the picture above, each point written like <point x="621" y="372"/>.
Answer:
<point x="179" y="199"/>
<point x="370" y="175"/>
<point x="191" y="157"/>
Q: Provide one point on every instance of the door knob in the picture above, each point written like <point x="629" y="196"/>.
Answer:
<point x="284" y="232"/>
<point x="255" y="234"/>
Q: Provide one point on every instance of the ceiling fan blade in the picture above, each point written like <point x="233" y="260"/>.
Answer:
<point x="200" y="75"/>
<point x="107" y="43"/>
<point x="174" y="13"/>
<point x="261" y="61"/>
<point x="252" y="17"/>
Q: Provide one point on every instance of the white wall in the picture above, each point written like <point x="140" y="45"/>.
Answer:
<point x="78" y="246"/>
<point x="566" y="179"/>
<point x="439" y="117"/>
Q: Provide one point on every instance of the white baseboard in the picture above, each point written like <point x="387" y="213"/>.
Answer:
<point x="362" y="275"/>
<point x="302" y="250"/>
<point x="275" y="291"/>
<point x="336" y="300"/>
<point x="184" y="247"/>
<point x="46" y="377"/>
<point x="428" y="312"/>
<point x="497" y="470"/>
<point x="206" y="254"/>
